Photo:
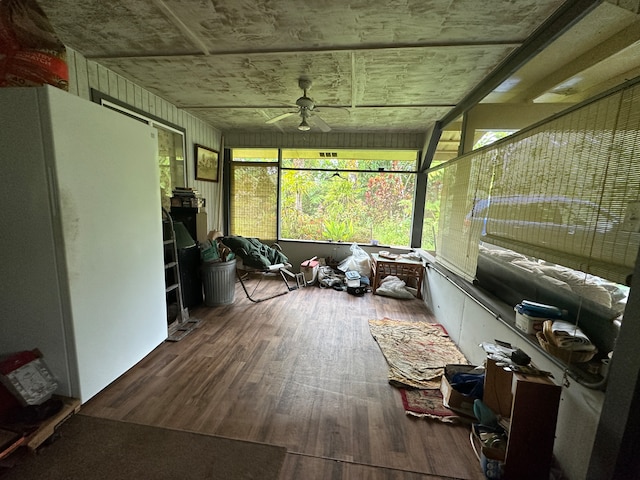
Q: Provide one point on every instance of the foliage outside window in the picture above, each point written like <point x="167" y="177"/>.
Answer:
<point x="432" y="211"/>
<point x="434" y="191"/>
<point x="491" y="136"/>
<point x="171" y="161"/>
<point x="337" y="195"/>
<point x="348" y="195"/>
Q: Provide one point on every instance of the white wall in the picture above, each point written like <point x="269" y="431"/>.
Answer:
<point x="470" y="324"/>
<point x="86" y="74"/>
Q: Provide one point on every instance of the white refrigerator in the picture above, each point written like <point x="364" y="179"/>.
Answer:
<point x="82" y="267"/>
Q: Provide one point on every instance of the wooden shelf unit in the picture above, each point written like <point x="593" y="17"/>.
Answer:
<point x="531" y="404"/>
<point x="402" y="268"/>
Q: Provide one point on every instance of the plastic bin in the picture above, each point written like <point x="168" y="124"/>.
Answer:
<point x="219" y="281"/>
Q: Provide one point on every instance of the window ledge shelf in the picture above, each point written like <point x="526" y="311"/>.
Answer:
<point x="505" y="314"/>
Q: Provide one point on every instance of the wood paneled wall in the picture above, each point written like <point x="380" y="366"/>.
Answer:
<point x="86" y="74"/>
<point x="375" y="140"/>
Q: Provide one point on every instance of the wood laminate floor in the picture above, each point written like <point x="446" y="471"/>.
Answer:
<point x="302" y="371"/>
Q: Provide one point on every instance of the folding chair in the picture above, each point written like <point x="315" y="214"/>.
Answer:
<point x="256" y="258"/>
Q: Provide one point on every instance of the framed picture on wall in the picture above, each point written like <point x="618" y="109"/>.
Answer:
<point x="207" y="164"/>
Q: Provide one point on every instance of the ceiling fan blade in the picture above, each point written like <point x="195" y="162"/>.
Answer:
<point x="280" y="117"/>
<point x="320" y="123"/>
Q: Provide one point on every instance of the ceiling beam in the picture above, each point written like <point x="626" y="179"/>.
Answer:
<point x="359" y="107"/>
<point x="600" y="87"/>
<point x="297" y="50"/>
<point x="602" y="51"/>
<point x="564" y="18"/>
<point x="193" y="38"/>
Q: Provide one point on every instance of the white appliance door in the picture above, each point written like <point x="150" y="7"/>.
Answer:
<point x="108" y="196"/>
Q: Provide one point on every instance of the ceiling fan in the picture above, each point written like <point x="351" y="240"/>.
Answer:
<point x="306" y="107"/>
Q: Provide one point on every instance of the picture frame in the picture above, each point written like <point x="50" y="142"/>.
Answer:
<point x="207" y="163"/>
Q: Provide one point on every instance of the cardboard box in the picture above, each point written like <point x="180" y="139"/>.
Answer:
<point x="453" y="399"/>
<point x="491" y="459"/>
<point x="528" y="324"/>
<point x="27" y="377"/>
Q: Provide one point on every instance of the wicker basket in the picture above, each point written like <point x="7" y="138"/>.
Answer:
<point x="568" y="356"/>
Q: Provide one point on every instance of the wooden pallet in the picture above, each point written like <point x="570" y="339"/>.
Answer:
<point x="32" y="435"/>
<point x="48" y="427"/>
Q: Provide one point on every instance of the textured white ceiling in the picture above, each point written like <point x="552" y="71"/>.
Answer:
<point x="393" y="66"/>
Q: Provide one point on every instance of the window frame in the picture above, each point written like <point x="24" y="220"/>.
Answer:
<point x="332" y="171"/>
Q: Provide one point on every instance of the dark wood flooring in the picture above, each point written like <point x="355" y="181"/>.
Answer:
<point x="302" y="371"/>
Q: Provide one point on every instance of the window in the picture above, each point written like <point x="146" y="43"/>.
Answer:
<point x="171" y="161"/>
<point x="254" y="193"/>
<point x="558" y="191"/>
<point x="348" y="195"/>
<point x="487" y="137"/>
<point x="333" y="195"/>
<point x="550" y="214"/>
<point x="432" y="211"/>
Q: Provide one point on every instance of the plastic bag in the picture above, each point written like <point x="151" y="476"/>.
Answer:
<point x="359" y="261"/>
<point x="31" y="53"/>
<point x="327" y="278"/>
<point x="392" y="286"/>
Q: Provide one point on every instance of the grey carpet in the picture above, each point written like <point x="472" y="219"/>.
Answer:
<point x="92" y="448"/>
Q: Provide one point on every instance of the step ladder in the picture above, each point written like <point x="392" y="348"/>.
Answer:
<point x="183" y="324"/>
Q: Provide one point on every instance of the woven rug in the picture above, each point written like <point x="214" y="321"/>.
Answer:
<point x="91" y="448"/>
<point x="426" y="404"/>
<point x="416" y="352"/>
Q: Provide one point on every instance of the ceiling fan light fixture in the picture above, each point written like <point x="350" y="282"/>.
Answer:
<point x="304" y="126"/>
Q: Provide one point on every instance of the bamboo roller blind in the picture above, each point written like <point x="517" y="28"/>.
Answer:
<point x="566" y="191"/>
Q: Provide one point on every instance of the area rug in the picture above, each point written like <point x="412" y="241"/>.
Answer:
<point x="416" y="352"/>
<point x="427" y="404"/>
<point x="92" y="448"/>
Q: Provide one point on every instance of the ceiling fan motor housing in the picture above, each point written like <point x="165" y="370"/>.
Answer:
<point x="305" y="102"/>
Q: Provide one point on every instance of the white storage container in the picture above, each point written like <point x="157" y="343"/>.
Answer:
<point x="528" y="324"/>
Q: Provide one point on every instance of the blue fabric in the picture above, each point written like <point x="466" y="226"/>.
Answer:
<point x="470" y="384"/>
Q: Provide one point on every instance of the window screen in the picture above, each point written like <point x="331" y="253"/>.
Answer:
<point x="254" y="193"/>
<point x="457" y="235"/>
<point x="565" y="191"/>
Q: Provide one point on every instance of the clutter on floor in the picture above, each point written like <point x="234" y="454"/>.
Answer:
<point x="518" y="409"/>
<point x="392" y="273"/>
<point x="416" y="354"/>
<point x="361" y="273"/>
<point x="29" y="412"/>
<point x="496" y="399"/>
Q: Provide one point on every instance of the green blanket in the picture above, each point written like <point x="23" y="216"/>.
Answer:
<point x="254" y="253"/>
